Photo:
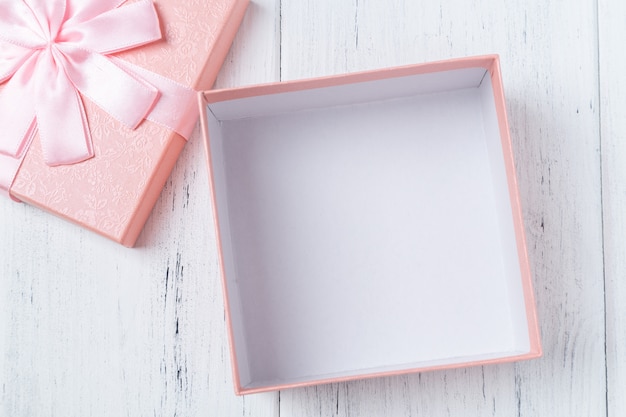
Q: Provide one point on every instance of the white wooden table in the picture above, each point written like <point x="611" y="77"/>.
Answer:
<point x="89" y="328"/>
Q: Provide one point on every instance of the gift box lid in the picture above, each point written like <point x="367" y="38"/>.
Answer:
<point x="114" y="179"/>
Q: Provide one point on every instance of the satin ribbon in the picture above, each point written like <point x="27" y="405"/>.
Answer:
<point x="54" y="51"/>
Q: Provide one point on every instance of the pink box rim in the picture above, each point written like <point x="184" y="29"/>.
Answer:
<point x="492" y="65"/>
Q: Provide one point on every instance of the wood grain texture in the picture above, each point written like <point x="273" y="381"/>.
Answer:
<point x="89" y="328"/>
<point x="612" y="29"/>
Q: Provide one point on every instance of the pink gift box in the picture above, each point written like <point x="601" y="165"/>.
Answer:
<point x="369" y="224"/>
<point x="114" y="192"/>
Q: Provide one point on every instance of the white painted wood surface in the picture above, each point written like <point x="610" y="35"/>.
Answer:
<point x="89" y="328"/>
<point x="612" y="18"/>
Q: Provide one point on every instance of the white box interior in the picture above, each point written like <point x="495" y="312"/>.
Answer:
<point x="366" y="228"/>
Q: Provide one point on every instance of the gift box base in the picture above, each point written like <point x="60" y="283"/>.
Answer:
<point x="369" y="225"/>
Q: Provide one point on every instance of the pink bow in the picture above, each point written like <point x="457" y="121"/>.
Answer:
<point x="52" y="50"/>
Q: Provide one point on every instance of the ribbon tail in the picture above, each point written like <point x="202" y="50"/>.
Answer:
<point x="177" y="107"/>
<point x="17" y="118"/>
<point x="9" y="166"/>
<point x="17" y="112"/>
<point x="12" y="58"/>
<point x="121" y="94"/>
<point x="135" y="24"/>
<point x="79" y="11"/>
<point x="61" y="119"/>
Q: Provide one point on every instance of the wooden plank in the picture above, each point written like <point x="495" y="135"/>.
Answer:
<point x="612" y="30"/>
<point x="255" y="54"/>
<point x="90" y="328"/>
<point x="548" y="53"/>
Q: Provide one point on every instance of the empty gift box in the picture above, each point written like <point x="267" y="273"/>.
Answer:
<point x="369" y="224"/>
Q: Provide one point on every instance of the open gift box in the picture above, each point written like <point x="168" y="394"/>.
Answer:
<point x="369" y="224"/>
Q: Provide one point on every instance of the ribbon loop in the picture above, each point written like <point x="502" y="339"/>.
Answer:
<point x="98" y="78"/>
<point x="135" y="25"/>
<point x="61" y="94"/>
<point x="19" y="26"/>
<point x="18" y="111"/>
<point x="49" y="14"/>
<point x="79" y="11"/>
<point x="12" y="58"/>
